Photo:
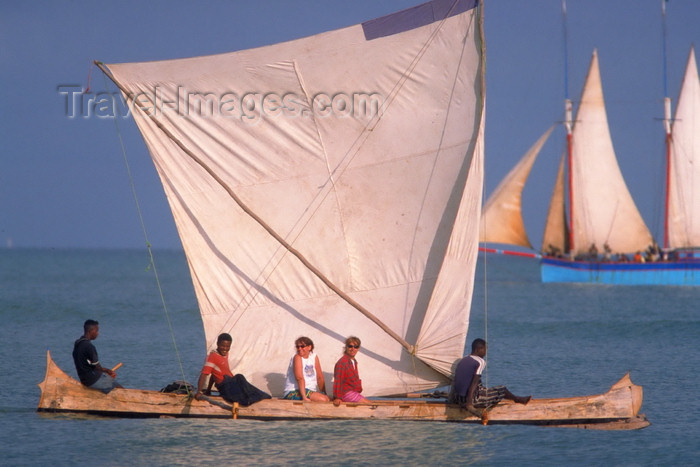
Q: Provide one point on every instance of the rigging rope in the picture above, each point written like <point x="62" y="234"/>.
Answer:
<point x="145" y="235"/>
<point x="486" y="295"/>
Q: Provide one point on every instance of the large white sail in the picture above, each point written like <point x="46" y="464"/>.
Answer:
<point x="502" y="217"/>
<point x="602" y="208"/>
<point x="384" y="201"/>
<point x="684" y="176"/>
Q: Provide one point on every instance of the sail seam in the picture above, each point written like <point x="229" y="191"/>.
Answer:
<point x="330" y="178"/>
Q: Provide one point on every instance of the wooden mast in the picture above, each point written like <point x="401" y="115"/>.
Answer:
<point x="667" y="127"/>
<point x="568" y="123"/>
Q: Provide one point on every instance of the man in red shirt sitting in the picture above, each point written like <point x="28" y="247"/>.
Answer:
<point x="232" y="388"/>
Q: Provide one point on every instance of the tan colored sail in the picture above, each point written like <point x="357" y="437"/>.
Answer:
<point x="502" y="217"/>
<point x="555" y="239"/>
<point x="603" y="210"/>
<point x="353" y="150"/>
<point x="684" y="186"/>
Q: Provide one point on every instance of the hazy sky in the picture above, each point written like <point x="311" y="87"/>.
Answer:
<point x="63" y="181"/>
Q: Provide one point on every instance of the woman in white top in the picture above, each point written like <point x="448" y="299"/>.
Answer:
<point x="304" y="376"/>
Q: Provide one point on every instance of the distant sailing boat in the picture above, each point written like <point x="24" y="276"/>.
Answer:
<point x="606" y="239"/>
<point x="299" y="217"/>
<point x="609" y="242"/>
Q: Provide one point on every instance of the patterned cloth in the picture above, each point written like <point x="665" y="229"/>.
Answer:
<point x="485" y="398"/>
<point x="295" y="396"/>
<point x="346" y="377"/>
<point x="352" y="396"/>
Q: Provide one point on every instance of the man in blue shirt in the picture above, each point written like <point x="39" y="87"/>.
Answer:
<point x="467" y="390"/>
<point x="90" y="372"/>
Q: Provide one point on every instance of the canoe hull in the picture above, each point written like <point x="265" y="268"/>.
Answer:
<point x="681" y="273"/>
<point x="616" y="409"/>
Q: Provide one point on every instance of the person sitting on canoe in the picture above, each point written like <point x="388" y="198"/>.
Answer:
<point x="216" y="371"/>
<point x="90" y="372"/>
<point x="347" y="385"/>
<point x="304" y="376"/>
<point x="467" y="390"/>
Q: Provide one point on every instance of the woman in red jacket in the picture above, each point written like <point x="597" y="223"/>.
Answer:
<point x="347" y="385"/>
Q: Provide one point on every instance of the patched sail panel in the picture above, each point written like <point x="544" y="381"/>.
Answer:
<point x="362" y="149"/>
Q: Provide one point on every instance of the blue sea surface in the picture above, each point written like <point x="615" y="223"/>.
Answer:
<point x="548" y="340"/>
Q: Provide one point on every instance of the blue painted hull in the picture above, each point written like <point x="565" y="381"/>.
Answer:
<point x="684" y="272"/>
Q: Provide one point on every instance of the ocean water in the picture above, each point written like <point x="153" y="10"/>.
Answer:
<point x="548" y="340"/>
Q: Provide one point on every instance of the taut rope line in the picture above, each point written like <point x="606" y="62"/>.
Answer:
<point x="148" y="243"/>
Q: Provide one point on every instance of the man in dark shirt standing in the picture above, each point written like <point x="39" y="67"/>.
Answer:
<point x="90" y="372"/>
<point x="467" y="390"/>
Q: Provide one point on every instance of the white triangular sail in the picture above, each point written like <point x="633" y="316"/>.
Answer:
<point x="684" y="175"/>
<point x="602" y="208"/>
<point x="383" y="200"/>
<point x="502" y="217"/>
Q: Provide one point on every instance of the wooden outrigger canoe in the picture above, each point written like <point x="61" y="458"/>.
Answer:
<point x="614" y="410"/>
